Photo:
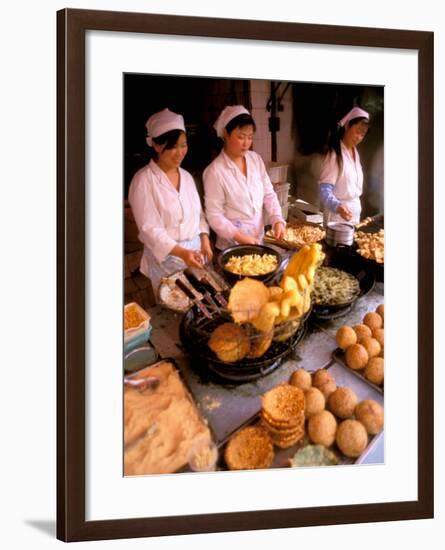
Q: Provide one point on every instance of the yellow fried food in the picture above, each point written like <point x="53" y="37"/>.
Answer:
<point x="288" y="283"/>
<point x="246" y="299"/>
<point x="290" y="298"/>
<point x="274" y="293"/>
<point x="265" y="320"/>
<point x="252" y="264"/>
<point x="293" y="267"/>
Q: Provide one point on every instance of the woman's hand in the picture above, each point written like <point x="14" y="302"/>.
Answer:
<point x="192" y="258"/>
<point x="279" y="230"/>
<point x="344" y="212"/>
<point x="206" y="249"/>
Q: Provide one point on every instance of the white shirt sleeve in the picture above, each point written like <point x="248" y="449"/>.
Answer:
<point x="152" y="231"/>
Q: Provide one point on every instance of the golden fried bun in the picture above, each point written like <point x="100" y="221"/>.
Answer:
<point x="324" y="381"/>
<point x="351" y="438"/>
<point x="374" y="370"/>
<point x="370" y="413"/>
<point x="356" y="357"/>
<point x="361" y="331"/>
<point x="345" y="337"/>
<point x="371" y="345"/>
<point x="314" y="402"/>
<point x="322" y="428"/>
<point x="373" y="320"/>
<point x="301" y="379"/>
<point x="379" y="335"/>
<point x="229" y="342"/>
<point x="381" y="311"/>
<point x="342" y="402"/>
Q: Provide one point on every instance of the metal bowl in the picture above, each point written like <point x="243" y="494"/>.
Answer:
<point x="339" y="233"/>
<point x="243" y="250"/>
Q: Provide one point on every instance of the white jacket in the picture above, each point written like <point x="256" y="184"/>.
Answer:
<point x="234" y="202"/>
<point x="163" y="215"/>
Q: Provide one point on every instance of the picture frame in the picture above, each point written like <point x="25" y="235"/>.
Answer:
<point x="72" y="26"/>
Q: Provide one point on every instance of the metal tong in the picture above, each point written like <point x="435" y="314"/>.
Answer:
<point x="211" y="279"/>
<point x="196" y="297"/>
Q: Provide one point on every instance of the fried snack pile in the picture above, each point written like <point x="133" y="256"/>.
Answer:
<point x="371" y="245"/>
<point x="261" y="314"/>
<point x="133" y="317"/>
<point x="252" y="302"/>
<point x="252" y="264"/>
<point x="282" y="415"/>
<point x="300" y="234"/>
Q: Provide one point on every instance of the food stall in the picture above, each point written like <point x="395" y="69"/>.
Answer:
<point x="311" y="394"/>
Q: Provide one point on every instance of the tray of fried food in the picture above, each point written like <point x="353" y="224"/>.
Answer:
<point x="297" y="234"/>
<point x="344" y="417"/>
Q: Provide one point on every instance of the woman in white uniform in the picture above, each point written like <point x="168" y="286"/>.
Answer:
<point x="341" y="177"/>
<point x="166" y="205"/>
<point x="237" y="187"/>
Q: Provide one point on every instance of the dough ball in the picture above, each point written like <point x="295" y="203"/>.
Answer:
<point x="324" y="381"/>
<point x="374" y="370"/>
<point x="314" y="402"/>
<point x="351" y="438"/>
<point x="371" y="345"/>
<point x="361" y="331"/>
<point x="345" y="337"/>
<point x="301" y="379"/>
<point x="370" y="413"/>
<point x="381" y="311"/>
<point x="342" y="402"/>
<point x="379" y="335"/>
<point x="373" y="320"/>
<point x="356" y="357"/>
<point x="322" y="428"/>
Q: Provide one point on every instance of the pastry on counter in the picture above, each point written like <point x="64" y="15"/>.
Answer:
<point x="160" y="425"/>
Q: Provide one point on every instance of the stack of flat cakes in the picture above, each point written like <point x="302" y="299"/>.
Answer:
<point x="250" y="449"/>
<point x="282" y="415"/>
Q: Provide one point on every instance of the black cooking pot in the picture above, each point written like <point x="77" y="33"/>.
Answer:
<point x="244" y="250"/>
<point x="194" y="332"/>
<point x="345" y="259"/>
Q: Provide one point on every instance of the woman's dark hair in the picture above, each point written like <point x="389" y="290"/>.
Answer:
<point x="239" y="122"/>
<point x="335" y="137"/>
<point x="169" y="139"/>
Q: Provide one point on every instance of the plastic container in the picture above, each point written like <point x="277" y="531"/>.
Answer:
<point x="282" y="191"/>
<point x="135" y="336"/>
<point x="139" y="358"/>
<point x="277" y="171"/>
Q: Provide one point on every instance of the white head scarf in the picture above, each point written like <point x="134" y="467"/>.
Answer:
<point x="355" y="112"/>
<point x="228" y="114"/>
<point x="163" y="122"/>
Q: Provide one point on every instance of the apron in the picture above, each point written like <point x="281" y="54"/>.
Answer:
<point x="154" y="270"/>
<point x="347" y="189"/>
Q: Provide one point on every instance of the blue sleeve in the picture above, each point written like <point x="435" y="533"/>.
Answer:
<point x="327" y="198"/>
